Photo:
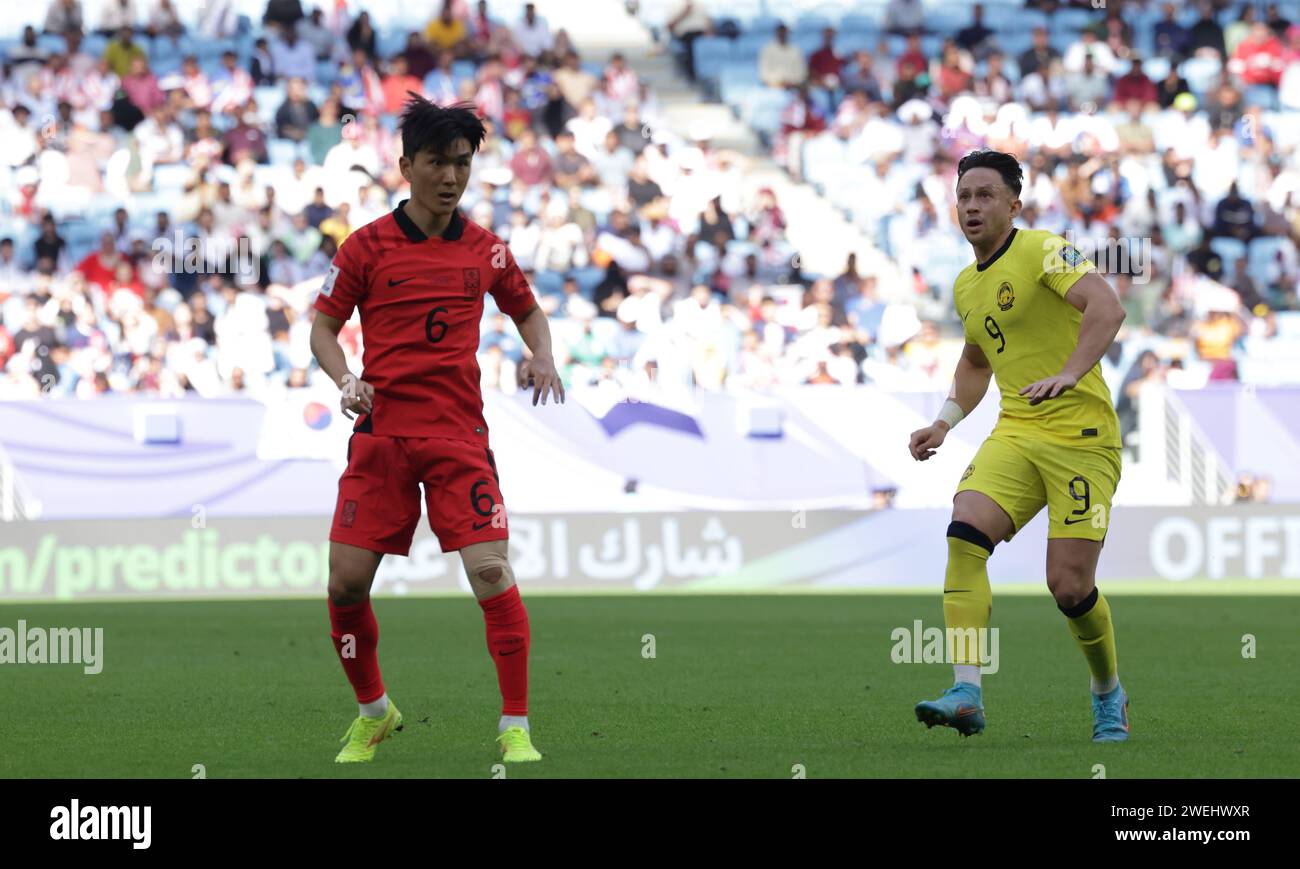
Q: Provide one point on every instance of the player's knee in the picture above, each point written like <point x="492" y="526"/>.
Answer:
<point x="969" y="524"/>
<point x="980" y="511"/>
<point x="1069" y="583"/>
<point x="345" y="587"/>
<point x="492" y="571"/>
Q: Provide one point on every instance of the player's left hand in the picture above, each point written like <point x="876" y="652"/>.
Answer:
<point x="541" y="375"/>
<point x="1048" y="388"/>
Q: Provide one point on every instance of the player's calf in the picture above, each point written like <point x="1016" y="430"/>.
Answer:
<point x="1071" y="575"/>
<point x="508" y="641"/>
<point x="354" y="631"/>
<point x="967" y="603"/>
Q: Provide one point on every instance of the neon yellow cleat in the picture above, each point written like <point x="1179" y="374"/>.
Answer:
<point x="365" y="734"/>
<point x="517" y="746"/>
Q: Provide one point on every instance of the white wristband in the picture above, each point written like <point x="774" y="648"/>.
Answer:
<point x="951" y="413"/>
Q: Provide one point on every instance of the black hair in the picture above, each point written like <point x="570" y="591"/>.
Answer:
<point x="1004" y="164"/>
<point x="426" y="125"/>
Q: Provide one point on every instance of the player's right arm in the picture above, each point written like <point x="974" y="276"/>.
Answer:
<point x="340" y="293"/>
<point x="357" y="395"/>
<point x="969" y="386"/>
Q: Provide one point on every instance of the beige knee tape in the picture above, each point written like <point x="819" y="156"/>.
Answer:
<point x="493" y="570"/>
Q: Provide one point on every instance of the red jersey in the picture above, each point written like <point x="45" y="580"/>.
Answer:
<point x="421" y="301"/>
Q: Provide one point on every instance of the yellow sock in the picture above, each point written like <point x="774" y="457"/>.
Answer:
<point x="967" y="598"/>
<point x="1091" y="627"/>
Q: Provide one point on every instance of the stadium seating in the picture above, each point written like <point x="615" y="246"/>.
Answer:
<point x="900" y="236"/>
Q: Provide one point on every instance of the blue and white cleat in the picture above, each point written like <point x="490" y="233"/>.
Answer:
<point x="1110" y="716"/>
<point x="961" y="707"/>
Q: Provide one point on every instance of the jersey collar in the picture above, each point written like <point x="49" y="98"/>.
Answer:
<point x="979" y="267"/>
<point x="455" y="228"/>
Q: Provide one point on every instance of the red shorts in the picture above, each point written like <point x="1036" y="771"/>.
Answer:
<point x="379" y="494"/>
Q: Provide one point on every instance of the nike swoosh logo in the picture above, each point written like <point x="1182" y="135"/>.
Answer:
<point x="1076" y="521"/>
<point x="956" y="591"/>
<point x="380" y="735"/>
<point x="481" y="526"/>
<point x="393" y="283"/>
<point x="507" y="654"/>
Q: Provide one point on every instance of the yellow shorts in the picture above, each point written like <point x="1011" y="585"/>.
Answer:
<point x="1022" y="474"/>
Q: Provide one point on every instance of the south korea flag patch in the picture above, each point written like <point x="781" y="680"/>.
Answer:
<point x="328" y="287"/>
<point x="1071" y="257"/>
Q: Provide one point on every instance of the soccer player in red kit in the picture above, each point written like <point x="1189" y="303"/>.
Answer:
<point x="418" y="277"/>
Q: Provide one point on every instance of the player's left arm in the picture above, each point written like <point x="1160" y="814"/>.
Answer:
<point x="515" y="299"/>
<point x="539" y="371"/>
<point x="1102" y="316"/>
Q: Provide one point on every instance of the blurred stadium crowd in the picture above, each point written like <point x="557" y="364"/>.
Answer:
<point x="172" y="190"/>
<point x="1161" y="136"/>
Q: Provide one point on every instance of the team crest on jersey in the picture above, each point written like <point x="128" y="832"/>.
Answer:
<point x="471" y="283"/>
<point x="1006" y="296"/>
<point x="970" y="469"/>
<point x="1071" y="257"/>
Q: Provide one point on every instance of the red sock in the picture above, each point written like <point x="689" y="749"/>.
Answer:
<point x="508" y="640"/>
<point x="360" y="654"/>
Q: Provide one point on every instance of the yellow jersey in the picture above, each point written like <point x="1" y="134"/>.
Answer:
<point x="1013" y="307"/>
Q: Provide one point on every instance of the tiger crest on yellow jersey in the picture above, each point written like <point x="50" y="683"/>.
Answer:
<point x="1006" y="296"/>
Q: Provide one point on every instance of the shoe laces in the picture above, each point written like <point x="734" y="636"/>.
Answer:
<point x="514" y="737"/>
<point x="362" y="728"/>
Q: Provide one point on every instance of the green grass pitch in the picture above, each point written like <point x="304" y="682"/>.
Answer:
<point x="740" y="686"/>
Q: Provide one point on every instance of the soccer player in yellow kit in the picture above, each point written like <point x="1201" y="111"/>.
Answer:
<point x="1038" y="317"/>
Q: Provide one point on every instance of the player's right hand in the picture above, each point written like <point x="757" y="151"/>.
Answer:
<point x="357" y="396"/>
<point x="926" y="440"/>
